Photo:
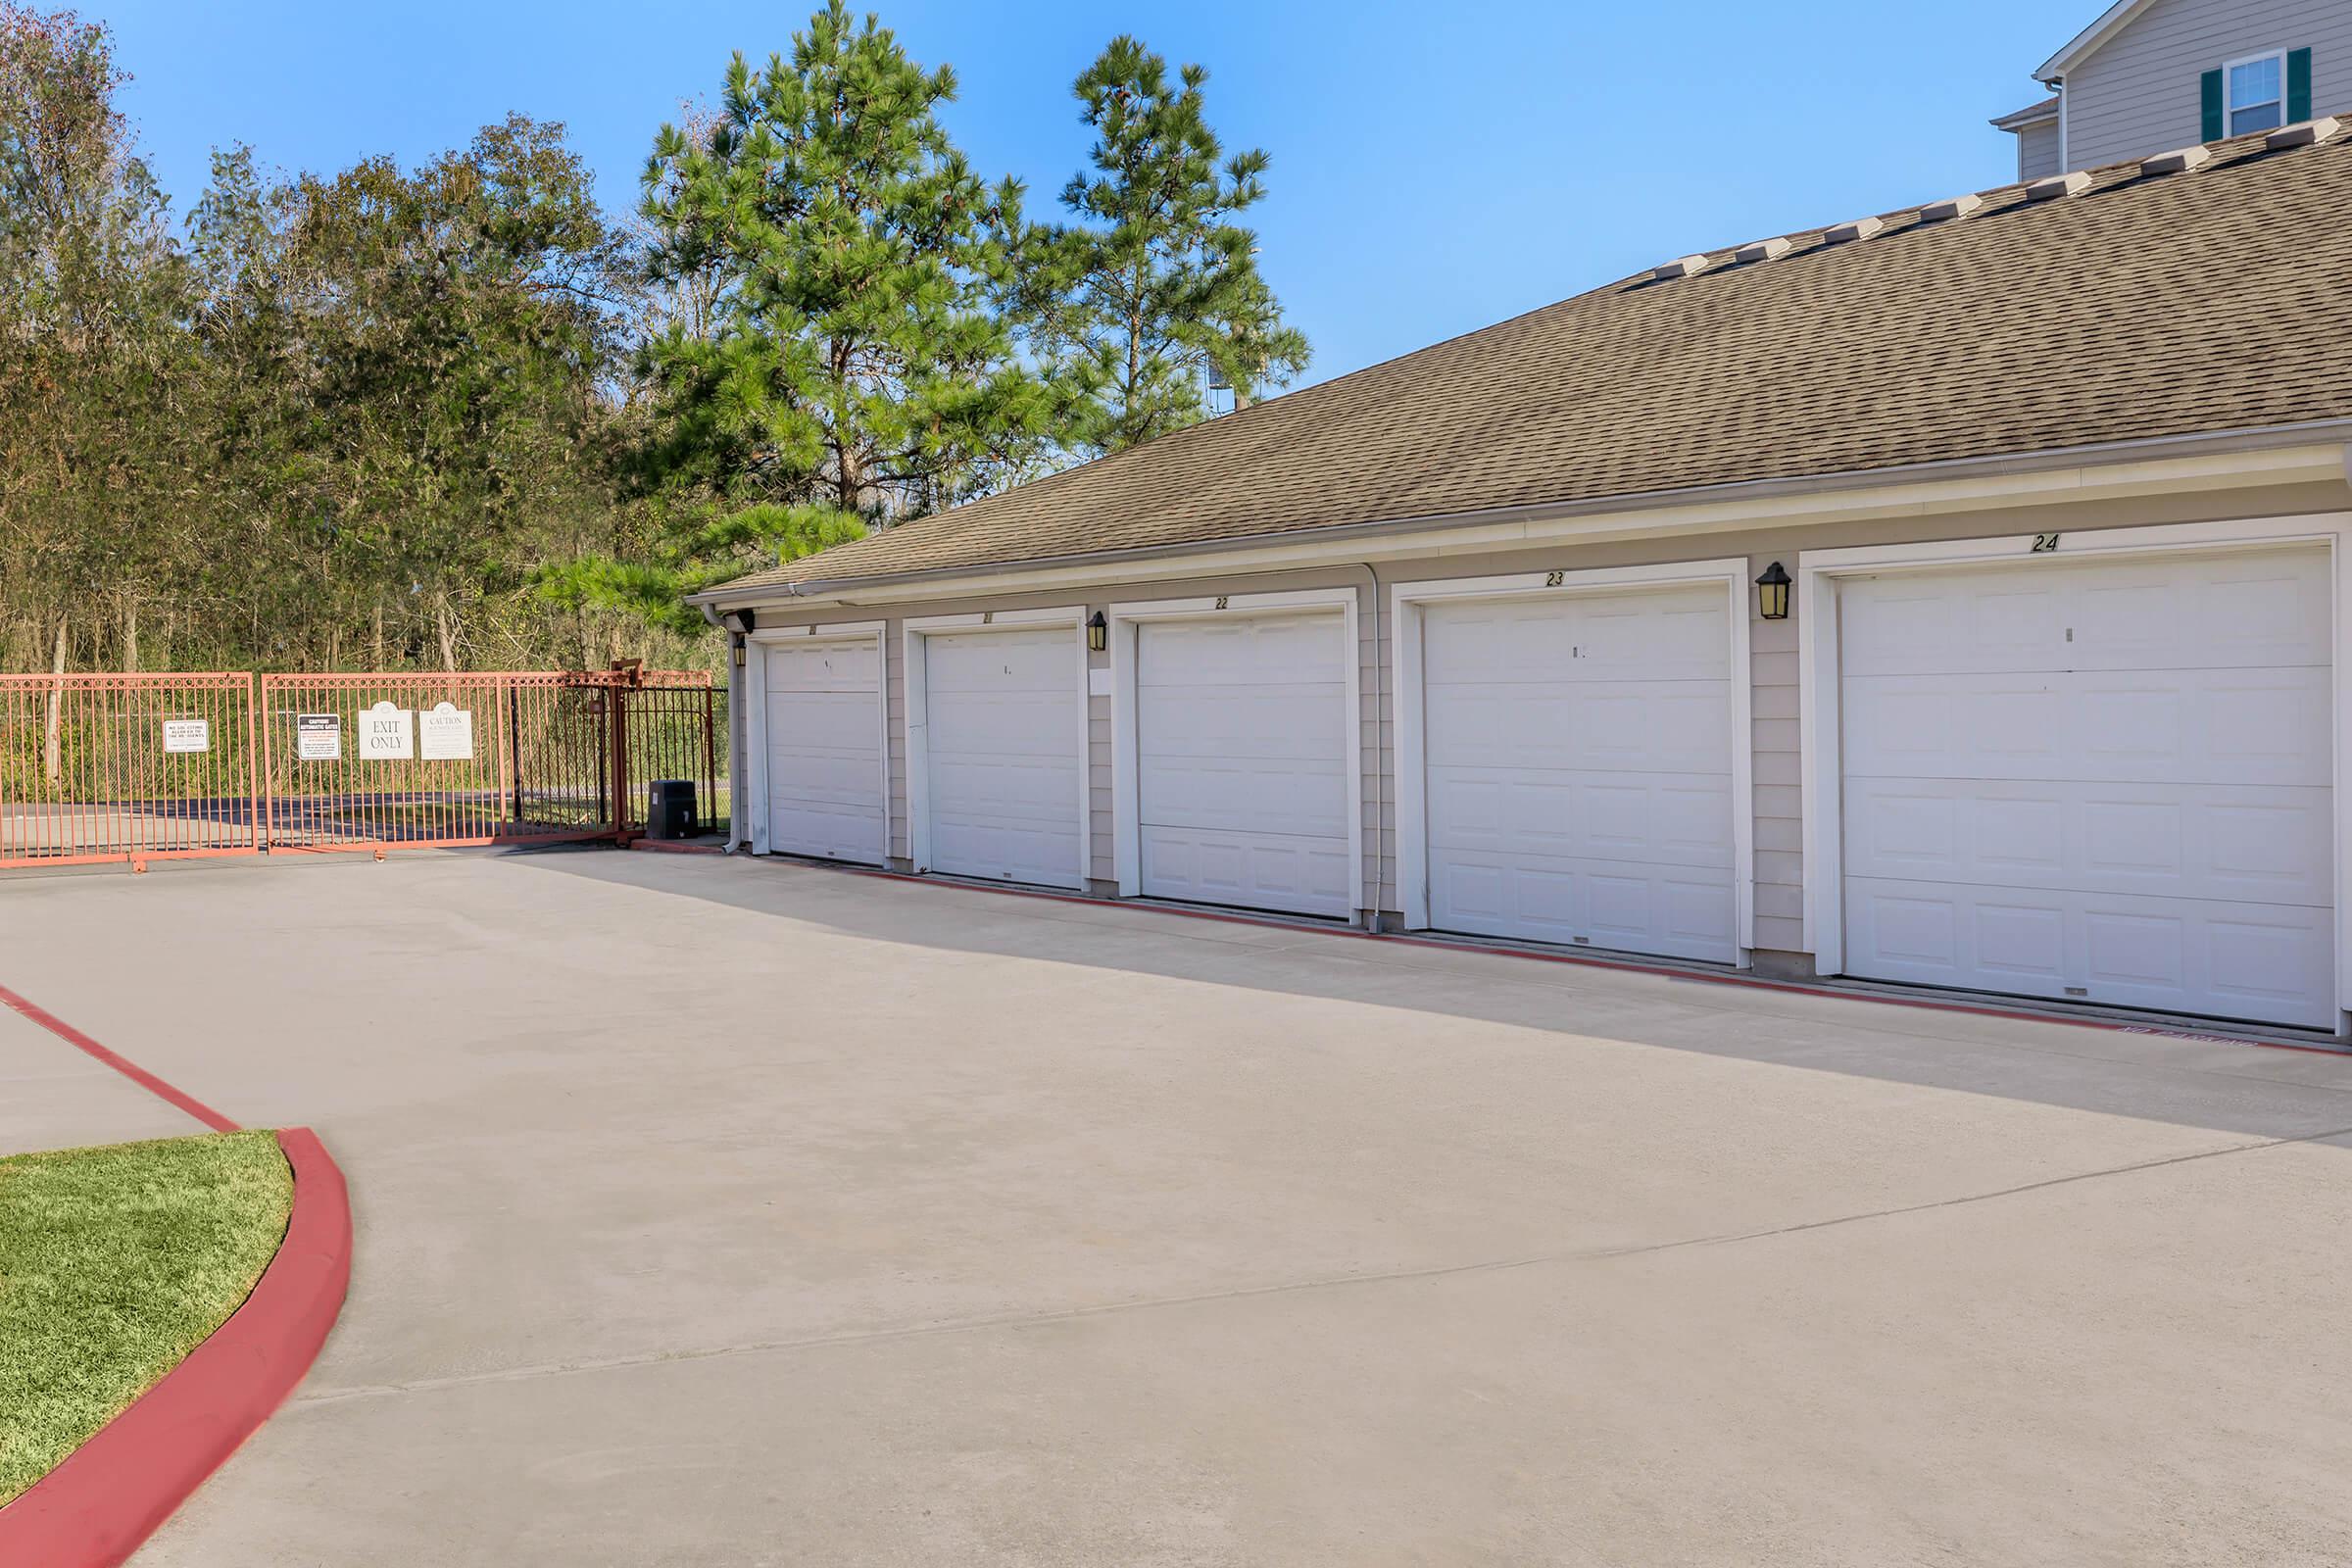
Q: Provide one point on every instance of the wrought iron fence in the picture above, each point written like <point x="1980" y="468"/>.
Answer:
<point x="114" y="768"/>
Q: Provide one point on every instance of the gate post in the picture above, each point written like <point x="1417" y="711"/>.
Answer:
<point x="619" y="699"/>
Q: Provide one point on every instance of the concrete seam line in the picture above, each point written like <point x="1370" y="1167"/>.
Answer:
<point x="177" y="1098"/>
<point x="111" y="1494"/>
<point x="1408" y="1276"/>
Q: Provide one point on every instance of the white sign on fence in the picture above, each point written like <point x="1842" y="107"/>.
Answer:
<point x="187" y="734"/>
<point x="387" y="734"/>
<point x="319" y="737"/>
<point x="447" y="733"/>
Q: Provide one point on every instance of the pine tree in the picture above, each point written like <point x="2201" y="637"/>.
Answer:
<point x="859" y="356"/>
<point x="1157" y="286"/>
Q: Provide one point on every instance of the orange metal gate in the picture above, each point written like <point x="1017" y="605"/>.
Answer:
<point x="132" y="767"/>
<point x="118" y="767"/>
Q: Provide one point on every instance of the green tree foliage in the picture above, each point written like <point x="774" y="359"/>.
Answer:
<point x="842" y="357"/>
<point x="453" y="415"/>
<point x="1158" y="286"/>
<point x="92" y="389"/>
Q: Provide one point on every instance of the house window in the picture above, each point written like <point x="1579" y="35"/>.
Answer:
<point x="2257" y="94"/>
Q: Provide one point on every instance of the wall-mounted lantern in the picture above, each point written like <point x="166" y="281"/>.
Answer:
<point x="1097" y="633"/>
<point x="1771" y="593"/>
<point x="739" y="625"/>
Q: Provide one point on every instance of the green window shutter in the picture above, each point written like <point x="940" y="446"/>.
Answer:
<point x="2209" y="93"/>
<point x="2298" y="86"/>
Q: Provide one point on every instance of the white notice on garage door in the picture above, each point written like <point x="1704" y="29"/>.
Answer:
<point x="387" y="733"/>
<point x="187" y="734"/>
<point x="446" y="732"/>
<point x="319" y="737"/>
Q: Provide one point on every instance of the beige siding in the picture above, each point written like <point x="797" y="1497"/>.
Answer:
<point x="2138" y="93"/>
<point x="2038" y="152"/>
<point x="1774" y="714"/>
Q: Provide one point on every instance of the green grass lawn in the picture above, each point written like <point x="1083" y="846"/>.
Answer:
<point x="114" y="1263"/>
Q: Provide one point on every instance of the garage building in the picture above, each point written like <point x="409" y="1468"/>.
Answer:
<point x="1951" y="599"/>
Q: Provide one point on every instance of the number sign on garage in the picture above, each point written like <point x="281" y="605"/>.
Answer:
<point x="2105" y="779"/>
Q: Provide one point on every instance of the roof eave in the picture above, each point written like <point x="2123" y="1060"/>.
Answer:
<point x="2253" y="438"/>
<point x="2090" y="40"/>
<point x="2042" y="113"/>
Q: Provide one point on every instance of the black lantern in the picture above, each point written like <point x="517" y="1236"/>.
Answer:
<point x="1771" y="593"/>
<point x="1097" y="633"/>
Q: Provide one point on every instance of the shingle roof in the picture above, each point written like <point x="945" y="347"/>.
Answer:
<point x="2216" y="299"/>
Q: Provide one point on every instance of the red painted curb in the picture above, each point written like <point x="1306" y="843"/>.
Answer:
<point x="123" y="1065"/>
<point x="111" y="1494"/>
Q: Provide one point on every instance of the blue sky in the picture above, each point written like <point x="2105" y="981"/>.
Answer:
<point x="1435" y="169"/>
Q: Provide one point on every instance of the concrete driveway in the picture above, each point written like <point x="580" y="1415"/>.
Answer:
<point x="723" y="1212"/>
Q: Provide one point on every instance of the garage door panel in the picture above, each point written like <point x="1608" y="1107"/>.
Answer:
<point x="824" y="667"/>
<point x="1242" y="776"/>
<point x="2190" y="612"/>
<point x="1671" y="818"/>
<point x="1002" y="717"/>
<point x="1664" y="726"/>
<point x="2110" y="780"/>
<point x="825" y="751"/>
<point x="1264" y="871"/>
<point x="2239" y="726"/>
<point x="2167" y="954"/>
<point x="2213" y="841"/>
<point x="1278" y="723"/>
<point x="1677" y="911"/>
<point x="1579" y="769"/>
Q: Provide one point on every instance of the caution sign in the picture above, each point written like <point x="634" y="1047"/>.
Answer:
<point x="447" y="731"/>
<point x="319" y="737"/>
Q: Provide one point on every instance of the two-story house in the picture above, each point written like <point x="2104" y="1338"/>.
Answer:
<point x="2153" y="74"/>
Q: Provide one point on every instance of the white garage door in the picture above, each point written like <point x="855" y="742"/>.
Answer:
<point x="1003" y="725"/>
<point x="824" y="749"/>
<point x="2109" y="781"/>
<point x="1243" y="776"/>
<point x="1580" y="770"/>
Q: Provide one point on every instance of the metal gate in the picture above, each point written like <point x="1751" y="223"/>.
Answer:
<point x="120" y="767"/>
<point x="134" y="767"/>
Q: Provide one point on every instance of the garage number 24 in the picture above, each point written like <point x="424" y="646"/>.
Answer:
<point x="2045" y="543"/>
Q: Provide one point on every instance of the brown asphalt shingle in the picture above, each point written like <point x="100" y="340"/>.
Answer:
<point x="2218" y="299"/>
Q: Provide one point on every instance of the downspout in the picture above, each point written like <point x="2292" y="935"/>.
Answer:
<point x="1380" y="690"/>
<point x="739" y="826"/>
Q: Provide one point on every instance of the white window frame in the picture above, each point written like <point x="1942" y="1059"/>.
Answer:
<point x="1409" y="600"/>
<point x="1126" y="834"/>
<point x="2229" y="104"/>
<point x="1818" y="576"/>
<point x="756" y="685"/>
<point x="919" y="633"/>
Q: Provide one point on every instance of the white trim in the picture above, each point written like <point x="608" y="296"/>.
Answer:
<point x="1408" y="599"/>
<point x="756" y="729"/>
<point x="1816" y="574"/>
<point x="2229" y="103"/>
<point x="1812" y="504"/>
<point x="1126" y="836"/>
<point x="2079" y="47"/>
<point x="919" y="633"/>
